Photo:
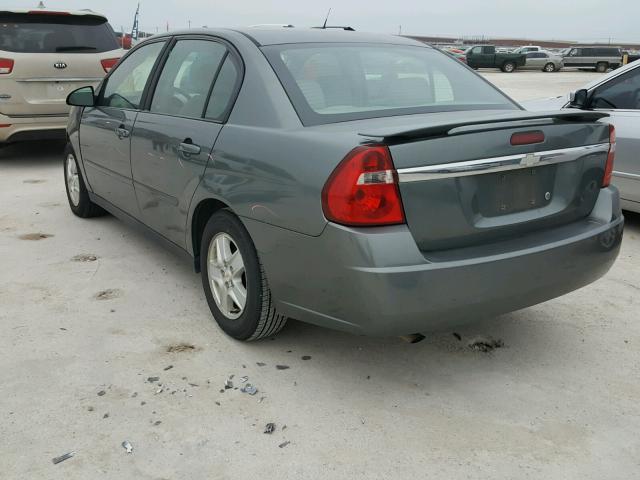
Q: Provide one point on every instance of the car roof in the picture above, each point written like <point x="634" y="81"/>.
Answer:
<point x="263" y="36"/>
<point x="50" y="11"/>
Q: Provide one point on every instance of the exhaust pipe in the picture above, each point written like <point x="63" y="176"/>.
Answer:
<point x="413" y="338"/>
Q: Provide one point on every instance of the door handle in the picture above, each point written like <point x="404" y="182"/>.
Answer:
<point x="122" y="132"/>
<point x="189" y="148"/>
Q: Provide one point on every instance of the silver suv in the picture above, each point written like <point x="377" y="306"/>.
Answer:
<point x="44" y="55"/>
<point x="599" y="58"/>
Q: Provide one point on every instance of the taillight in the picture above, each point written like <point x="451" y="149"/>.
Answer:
<point x="109" y="63"/>
<point x="6" y="66"/>
<point x="608" y="168"/>
<point x="363" y="189"/>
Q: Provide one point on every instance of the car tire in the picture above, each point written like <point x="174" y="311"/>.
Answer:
<point x="229" y="264"/>
<point x="77" y="193"/>
<point x="508" y="67"/>
<point x="602" y="67"/>
<point x="549" y="67"/>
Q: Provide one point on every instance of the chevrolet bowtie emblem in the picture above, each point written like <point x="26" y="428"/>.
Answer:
<point x="530" y="160"/>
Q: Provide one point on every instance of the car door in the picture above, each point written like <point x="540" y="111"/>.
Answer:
<point x="105" y="129"/>
<point x="620" y="98"/>
<point x="535" y="60"/>
<point x="173" y="138"/>
<point x="574" y="58"/>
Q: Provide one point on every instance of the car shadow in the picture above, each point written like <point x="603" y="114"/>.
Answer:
<point x="31" y="153"/>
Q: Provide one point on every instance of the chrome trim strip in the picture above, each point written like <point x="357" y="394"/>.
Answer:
<point x="59" y="79"/>
<point x="498" y="164"/>
<point x="633" y="176"/>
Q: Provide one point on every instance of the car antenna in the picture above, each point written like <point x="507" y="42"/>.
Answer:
<point x="326" y="19"/>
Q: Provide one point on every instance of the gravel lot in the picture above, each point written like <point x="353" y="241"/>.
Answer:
<point x="89" y="310"/>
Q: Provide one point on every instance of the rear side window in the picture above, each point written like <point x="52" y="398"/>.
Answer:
<point x="187" y="76"/>
<point x="330" y="83"/>
<point x="38" y="33"/>
<point x="224" y="90"/>
<point x="125" y="86"/>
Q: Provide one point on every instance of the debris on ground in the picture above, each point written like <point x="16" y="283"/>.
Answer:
<point x="284" y="427"/>
<point x="84" y="257"/>
<point x="284" y="444"/>
<point x="306" y="357"/>
<point x="168" y="367"/>
<point x="157" y="422"/>
<point x="62" y="458"/>
<point x="153" y="379"/>
<point x="250" y="389"/>
<point x="180" y="347"/>
<point x="282" y="367"/>
<point x="485" y="344"/>
<point x="244" y="379"/>
<point x="261" y="399"/>
<point x="413" y="338"/>
<point x="35" y="236"/>
<point x="160" y="390"/>
<point x="228" y="384"/>
<point x="101" y="393"/>
<point x="127" y="446"/>
<point x="90" y="408"/>
<point x="106" y="415"/>
<point x="458" y="336"/>
<point x="260" y="364"/>
<point x="108" y="294"/>
<point x="269" y="428"/>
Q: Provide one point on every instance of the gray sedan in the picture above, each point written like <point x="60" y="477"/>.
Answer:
<point x="542" y="60"/>
<point x="617" y="94"/>
<point x="366" y="183"/>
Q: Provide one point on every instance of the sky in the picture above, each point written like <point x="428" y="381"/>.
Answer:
<point x="579" y="20"/>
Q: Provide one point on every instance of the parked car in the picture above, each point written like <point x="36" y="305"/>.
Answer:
<point x="545" y="61"/>
<point x="44" y="55"/>
<point x="618" y="95"/>
<point x="367" y="183"/>
<point x="528" y="48"/>
<point x="600" y="59"/>
<point x="457" y="54"/>
<point x="485" y="56"/>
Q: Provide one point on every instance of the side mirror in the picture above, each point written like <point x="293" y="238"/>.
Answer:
<point x="82" y="97"/>
<point x="579" y="98"/>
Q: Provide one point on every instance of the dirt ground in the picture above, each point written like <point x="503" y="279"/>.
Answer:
<point x="90" y="310"/>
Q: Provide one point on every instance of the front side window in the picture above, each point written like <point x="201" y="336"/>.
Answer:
<point x="622" y="92"/>
<point x="329" y="83"/>
<point x="187" y="76"/>
<point x="125" y="86"/>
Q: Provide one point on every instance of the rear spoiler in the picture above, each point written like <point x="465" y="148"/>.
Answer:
<point x="489" y="122"/>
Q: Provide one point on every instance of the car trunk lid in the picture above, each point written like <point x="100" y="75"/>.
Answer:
<point x="464" y="183"/>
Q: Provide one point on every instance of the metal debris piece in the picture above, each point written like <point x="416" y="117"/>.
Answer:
<point x="101" y="393"/>
<point x="260" y="364"/>
<point x="228" y="384"/>
<point x="231" y="377"/>
<point x="127" y="446"/>
<point x="284" y="444"/>
<point x="152" y="379"/>
<point x="106" y="415"/>
<point x="284" y="427"/>
<point x="244" y="379"/>
<point x="168" y="367"/>
<point x="282" y="367"/>
<point x="269" y="428"/>
<point x="62" y="458"/>
<point x="261" y="399"/>
<point x="160" y="390"/>
<point x="250" y="389"/>
<point x="218" y="403"/>
<point x="485" y="344"/>
<point x="306" y="357"/>
<point x="157" y="422"/>
<point x="194" y="385"/>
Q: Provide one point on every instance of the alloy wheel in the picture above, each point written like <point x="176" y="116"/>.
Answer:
<point x="73" y="180"/>
<point x="227" y="276"/>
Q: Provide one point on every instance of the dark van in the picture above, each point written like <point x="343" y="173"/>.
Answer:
<point x="599" y="58"/>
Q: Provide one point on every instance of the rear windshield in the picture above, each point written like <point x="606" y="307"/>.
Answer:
<point x="339" y="82"/>
<point x="37" y="33"/>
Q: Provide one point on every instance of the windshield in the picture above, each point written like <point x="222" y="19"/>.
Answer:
<point x="339" y="82"/>
<point x="38" y="33"/>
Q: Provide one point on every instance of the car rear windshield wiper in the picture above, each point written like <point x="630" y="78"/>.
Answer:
<point x="74" y="47"/>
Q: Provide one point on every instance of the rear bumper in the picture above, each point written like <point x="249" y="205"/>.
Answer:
<point x="377" y="282"/>
<point x="32" y="128"/>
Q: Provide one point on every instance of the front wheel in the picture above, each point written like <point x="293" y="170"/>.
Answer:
<point x="77" y="193"/>
<point x="234" y="280"/>
<point x="549" y="67"/>
<point x="602" y="67"/>
<point x="508" y="67"/>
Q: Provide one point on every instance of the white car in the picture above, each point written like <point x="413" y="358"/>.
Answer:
<point x="618" y="94"/>
<point x="45" y="55"/>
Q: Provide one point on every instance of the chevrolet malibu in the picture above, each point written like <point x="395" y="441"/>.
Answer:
<point x="365" y="183"/>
